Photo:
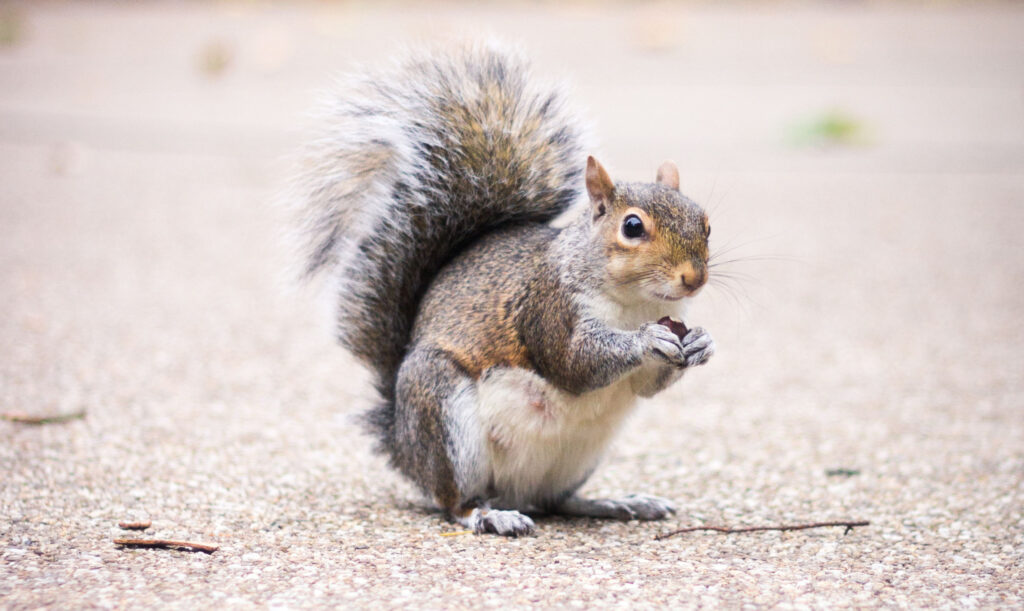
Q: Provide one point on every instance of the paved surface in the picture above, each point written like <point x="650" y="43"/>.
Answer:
<point x="868" y="162"/>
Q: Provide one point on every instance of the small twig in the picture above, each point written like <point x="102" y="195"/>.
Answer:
<point x="24" y="418"/>
<point x="166" y="544"/>
<point x="457" y="533"/>
<point x="135" y="525"/>
<point x="746" y="529"/>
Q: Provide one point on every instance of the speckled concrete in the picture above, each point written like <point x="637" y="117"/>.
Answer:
<point x="875" y="323"/>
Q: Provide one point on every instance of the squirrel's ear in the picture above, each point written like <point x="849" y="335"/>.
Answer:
<point x="599" y="186"/>
<point x="668" y="175"/>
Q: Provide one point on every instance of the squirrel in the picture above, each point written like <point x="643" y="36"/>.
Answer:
<point x="506" y="349"/>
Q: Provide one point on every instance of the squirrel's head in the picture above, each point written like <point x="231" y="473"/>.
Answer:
<point x="655" y="238"/>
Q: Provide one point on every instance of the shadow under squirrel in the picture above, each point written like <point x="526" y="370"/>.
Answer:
<point x="506" y="351"/>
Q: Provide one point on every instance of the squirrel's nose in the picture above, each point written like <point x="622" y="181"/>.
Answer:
<point x="692" y="277"/>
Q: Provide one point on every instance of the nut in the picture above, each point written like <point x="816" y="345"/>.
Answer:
<point x="675" y="326"/>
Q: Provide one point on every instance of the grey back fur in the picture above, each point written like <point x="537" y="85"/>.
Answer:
<point x="412" y="165"/>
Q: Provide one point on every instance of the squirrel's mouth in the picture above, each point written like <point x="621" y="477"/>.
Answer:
<point x="687" y="292"/>
<point x="670" y="297"/>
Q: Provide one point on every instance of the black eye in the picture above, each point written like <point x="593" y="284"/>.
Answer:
<point x="633" y="227"/>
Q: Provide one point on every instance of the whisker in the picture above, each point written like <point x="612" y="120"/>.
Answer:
<point x="733" y="276"/>
<point x="714" y="206"/>
<point x="786" y="258"/>
<point x="735" y="292"/>
<point x="730" y="246"/>
<point x="730" y="293"/>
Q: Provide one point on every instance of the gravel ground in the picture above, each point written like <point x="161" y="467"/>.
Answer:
<point x="866" y="162"/>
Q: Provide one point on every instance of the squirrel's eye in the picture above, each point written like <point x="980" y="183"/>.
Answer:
<point x="633" y="227"/>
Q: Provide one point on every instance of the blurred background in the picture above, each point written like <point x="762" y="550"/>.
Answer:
<point x="863" y="162"/>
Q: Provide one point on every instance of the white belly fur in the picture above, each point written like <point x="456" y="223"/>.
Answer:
<point x="541" y="441"/>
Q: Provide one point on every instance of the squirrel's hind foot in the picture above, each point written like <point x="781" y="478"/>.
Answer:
<point x="632" y="507"/>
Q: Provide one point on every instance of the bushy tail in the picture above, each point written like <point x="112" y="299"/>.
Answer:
<point x="413" y="164"/>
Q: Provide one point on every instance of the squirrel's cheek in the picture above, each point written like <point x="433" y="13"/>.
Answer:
<point x="626" y="268"/>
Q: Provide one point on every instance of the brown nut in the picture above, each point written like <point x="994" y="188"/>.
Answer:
<point x="675" y="326"/>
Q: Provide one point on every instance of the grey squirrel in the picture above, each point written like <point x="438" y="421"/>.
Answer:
<point x="506" y="351"/>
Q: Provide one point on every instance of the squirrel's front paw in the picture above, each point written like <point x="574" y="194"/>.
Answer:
<point x="661" y="342"/>
<point x="697" y="347"/>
